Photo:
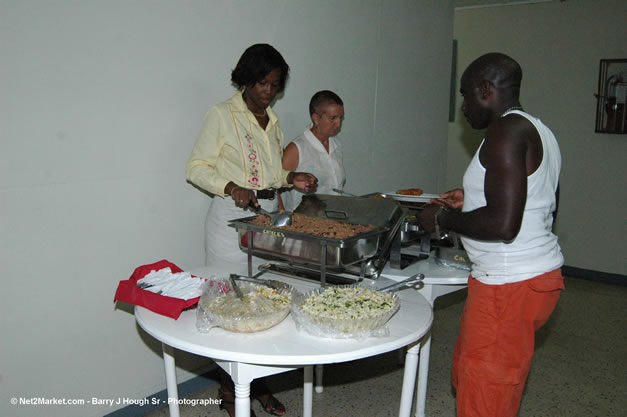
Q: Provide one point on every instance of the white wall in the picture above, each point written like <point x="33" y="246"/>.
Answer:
<point x="559" y="45"/>
<point x="100" y="104"/>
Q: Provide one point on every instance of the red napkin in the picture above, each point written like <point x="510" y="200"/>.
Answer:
<point x="130" y="293"/>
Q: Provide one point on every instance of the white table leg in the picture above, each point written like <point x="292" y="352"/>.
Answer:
<point x="242" y="375"/>
<point x="319" y="373"/>
<point x="242" y="399"/>
<point x="401" y="355"/>
<point x="308" y="391"/>
<point x="170" y="380"/>
<point x="409" y="380"/>
<point x="423" y="375"/>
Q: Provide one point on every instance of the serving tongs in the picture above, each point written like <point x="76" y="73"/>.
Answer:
<point x="406" y="283"/>
<point x="275" y="285"/>
<point x="238" y="291"/>
<point x="345" y="193"/>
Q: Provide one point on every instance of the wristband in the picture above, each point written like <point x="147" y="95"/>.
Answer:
<point x="233" y="189"/>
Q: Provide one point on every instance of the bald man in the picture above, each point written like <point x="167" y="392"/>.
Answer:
<point x="504" y="214"/>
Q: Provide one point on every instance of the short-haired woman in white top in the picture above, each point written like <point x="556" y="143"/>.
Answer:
<point x="317" y="150"/>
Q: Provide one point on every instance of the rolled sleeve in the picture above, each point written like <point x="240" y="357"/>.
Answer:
<point x="285" y="173"/>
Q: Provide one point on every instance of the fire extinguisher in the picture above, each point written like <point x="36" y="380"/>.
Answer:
<point x="615" y="104"/>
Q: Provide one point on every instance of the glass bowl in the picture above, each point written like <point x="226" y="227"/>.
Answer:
<point x="260" y="309"/>
<point x="344" y="311"/>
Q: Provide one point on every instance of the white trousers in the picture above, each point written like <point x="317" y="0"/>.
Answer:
<point x="221" y="241"/>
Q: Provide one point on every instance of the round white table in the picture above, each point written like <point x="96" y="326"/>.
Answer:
<point x="283" y="347"/>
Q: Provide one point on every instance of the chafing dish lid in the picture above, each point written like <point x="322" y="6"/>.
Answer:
<point x="356" y="210"/>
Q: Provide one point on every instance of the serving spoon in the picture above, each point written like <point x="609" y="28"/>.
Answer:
<point x="278" y="219"/>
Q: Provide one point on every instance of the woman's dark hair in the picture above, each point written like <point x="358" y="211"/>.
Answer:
<point x="323" y="97"/>
<point x="256" y="63"/>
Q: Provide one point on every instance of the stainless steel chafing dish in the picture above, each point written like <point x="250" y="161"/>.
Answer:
<point x="366" y="252"/>
<point x="305" y="248"/>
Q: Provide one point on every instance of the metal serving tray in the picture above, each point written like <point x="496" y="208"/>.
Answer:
<point x="304" y="248"/>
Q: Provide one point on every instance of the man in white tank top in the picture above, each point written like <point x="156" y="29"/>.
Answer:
<point x="504" y="214"/>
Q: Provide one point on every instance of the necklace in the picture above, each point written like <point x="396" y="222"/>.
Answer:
<point x="264" y="114"/>
<point x="510" y="109"/>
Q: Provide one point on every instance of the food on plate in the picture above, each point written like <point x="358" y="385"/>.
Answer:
<point x="260" y="308"/>
<point x="318" y="226"/>
<point x="345" y="310"/>
<point x="410" y="191"/>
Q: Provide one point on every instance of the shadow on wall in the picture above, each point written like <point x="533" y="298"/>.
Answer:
<point x="470" y="138"/>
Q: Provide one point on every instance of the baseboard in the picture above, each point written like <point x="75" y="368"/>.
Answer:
<point x="159" y="400"/>
<point x="606" y="277"/>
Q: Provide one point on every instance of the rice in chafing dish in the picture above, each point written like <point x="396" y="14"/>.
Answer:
<point x="317" y="226"/>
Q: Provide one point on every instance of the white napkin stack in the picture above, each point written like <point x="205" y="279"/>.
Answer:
<point x="178" y="285"/>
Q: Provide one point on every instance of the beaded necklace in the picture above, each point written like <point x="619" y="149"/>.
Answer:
<point x="510" y="109"/>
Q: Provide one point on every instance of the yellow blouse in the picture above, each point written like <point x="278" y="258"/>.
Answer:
<point x="232" y="146"/>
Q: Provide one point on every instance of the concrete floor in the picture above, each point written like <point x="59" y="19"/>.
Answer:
<point x="579" y="368"/>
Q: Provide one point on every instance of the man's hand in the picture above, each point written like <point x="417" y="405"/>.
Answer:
<point x="453" y="199"/>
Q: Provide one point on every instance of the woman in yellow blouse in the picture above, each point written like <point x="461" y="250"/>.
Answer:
<point x="237" y="156"/>
<point x="237" y="160"/>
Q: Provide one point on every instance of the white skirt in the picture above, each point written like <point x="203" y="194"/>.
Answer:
<point x="221" y="245"/>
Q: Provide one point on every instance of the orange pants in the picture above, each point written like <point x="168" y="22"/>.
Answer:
<point x="496" y="342"/>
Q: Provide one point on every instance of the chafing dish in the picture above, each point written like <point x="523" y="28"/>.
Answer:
<point x="305" y="248"/>
<point x="450" y="253"/>
<point x="336" y="254"/>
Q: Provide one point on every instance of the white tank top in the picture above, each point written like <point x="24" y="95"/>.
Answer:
<point x="328" y="167"/>
<point x="535" y="249"/>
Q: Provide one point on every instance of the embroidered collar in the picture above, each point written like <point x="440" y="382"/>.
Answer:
<point x="239" y="105"/>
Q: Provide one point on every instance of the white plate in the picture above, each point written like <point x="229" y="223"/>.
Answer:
<point x="423" y="198"/>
